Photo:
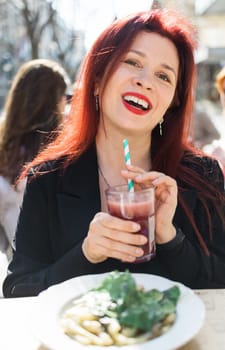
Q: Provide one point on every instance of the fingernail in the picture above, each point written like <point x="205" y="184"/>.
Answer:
<point x="139" y="252"/>
<point x="144" y="239"/>
<point x="136" y="227"/>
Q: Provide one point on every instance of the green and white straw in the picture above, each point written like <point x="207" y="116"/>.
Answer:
<point x="128" y="162"/>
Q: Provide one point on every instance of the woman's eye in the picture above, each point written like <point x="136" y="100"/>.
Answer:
<point x="164" y="77"/>
<point x="132" y="62"/>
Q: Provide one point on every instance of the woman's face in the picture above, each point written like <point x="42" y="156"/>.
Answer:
<point x="142" y="88"/>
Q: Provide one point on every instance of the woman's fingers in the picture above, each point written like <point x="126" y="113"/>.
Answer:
<point x="117" y="230"/>
<point x="112" y="237"/>
<point x="133" y="172"/>
<point x="160" y="181"/>
<point x="117" y="250"/>
<point x="109" y="221"/>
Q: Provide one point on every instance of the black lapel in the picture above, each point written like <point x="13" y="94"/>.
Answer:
<point x="78" y="197"/>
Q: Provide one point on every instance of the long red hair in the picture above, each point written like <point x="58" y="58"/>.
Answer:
<point x="80" y="127"/>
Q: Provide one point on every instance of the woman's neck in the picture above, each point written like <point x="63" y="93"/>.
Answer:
<point x="111" y="159"/>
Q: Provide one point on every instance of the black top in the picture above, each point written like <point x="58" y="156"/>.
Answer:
<point x="57" y="209"/>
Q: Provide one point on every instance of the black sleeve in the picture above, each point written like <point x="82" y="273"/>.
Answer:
<point x="185" y="259"/>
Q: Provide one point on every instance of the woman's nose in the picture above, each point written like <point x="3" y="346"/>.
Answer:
<point x="144" y="81"/>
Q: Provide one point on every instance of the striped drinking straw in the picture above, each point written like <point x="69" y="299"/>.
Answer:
<point x="128" y="162"/>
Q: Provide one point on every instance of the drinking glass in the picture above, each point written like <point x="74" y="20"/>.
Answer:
<point x="138" y="206"/>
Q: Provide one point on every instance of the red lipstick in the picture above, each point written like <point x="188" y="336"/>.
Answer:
<point x="136" y="103"/>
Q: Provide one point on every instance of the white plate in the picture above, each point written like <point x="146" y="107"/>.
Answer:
<point x="44" y="319"/>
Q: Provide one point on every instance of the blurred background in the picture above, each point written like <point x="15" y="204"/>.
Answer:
<point x="64" y="29"/>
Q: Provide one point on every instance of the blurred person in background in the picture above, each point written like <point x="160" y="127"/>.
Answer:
<point x="220" y="84"/>
<point x="204" y="130"/>
<point x="217" y="147"/>
<point x="33" y="109"/>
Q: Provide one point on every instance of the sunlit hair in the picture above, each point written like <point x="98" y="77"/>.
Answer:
<point x="30" y="113"/>
<point x="80" y="128"/>
<point x="220" y="79"/>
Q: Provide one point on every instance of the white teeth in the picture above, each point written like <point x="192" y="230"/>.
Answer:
<point x="139" y="101"/>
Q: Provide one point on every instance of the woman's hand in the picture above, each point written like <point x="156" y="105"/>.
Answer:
<point x="165" y="195"/>
<point x="111" y="237"/>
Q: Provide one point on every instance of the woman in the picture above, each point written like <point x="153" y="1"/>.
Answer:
<point x="33" y="109"/>
<point x="136" y="83"/>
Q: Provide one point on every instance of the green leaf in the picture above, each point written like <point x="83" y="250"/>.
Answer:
<point x="172" y="294"/>
<point x="120" y="286"/>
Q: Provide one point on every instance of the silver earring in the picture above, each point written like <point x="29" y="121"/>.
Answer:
<point x="97" y="103"/>
<point x="160" y="127"/>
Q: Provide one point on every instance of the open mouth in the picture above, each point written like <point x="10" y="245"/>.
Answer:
<point x="137" y="102"/>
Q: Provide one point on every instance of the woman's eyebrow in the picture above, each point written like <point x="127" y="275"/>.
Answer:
<point x="140" y="53"/>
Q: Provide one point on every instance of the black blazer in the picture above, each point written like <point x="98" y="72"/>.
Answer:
<point x="57" y="209"/>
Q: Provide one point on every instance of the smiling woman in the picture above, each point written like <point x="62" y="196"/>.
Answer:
<point x="143" y="78"/>
<point x="136" y="83"/>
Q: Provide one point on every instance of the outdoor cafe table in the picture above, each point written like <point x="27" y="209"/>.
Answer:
<point x="15" y="334"/>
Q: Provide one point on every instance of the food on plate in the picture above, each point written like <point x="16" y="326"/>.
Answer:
<point x="119" y="312"/>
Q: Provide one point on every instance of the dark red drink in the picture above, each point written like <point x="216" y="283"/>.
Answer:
<point x="140" y="210"/>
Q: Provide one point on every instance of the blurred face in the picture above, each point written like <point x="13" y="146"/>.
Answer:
<point x="142" y="88"/>
<point x="222" y="95"/>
